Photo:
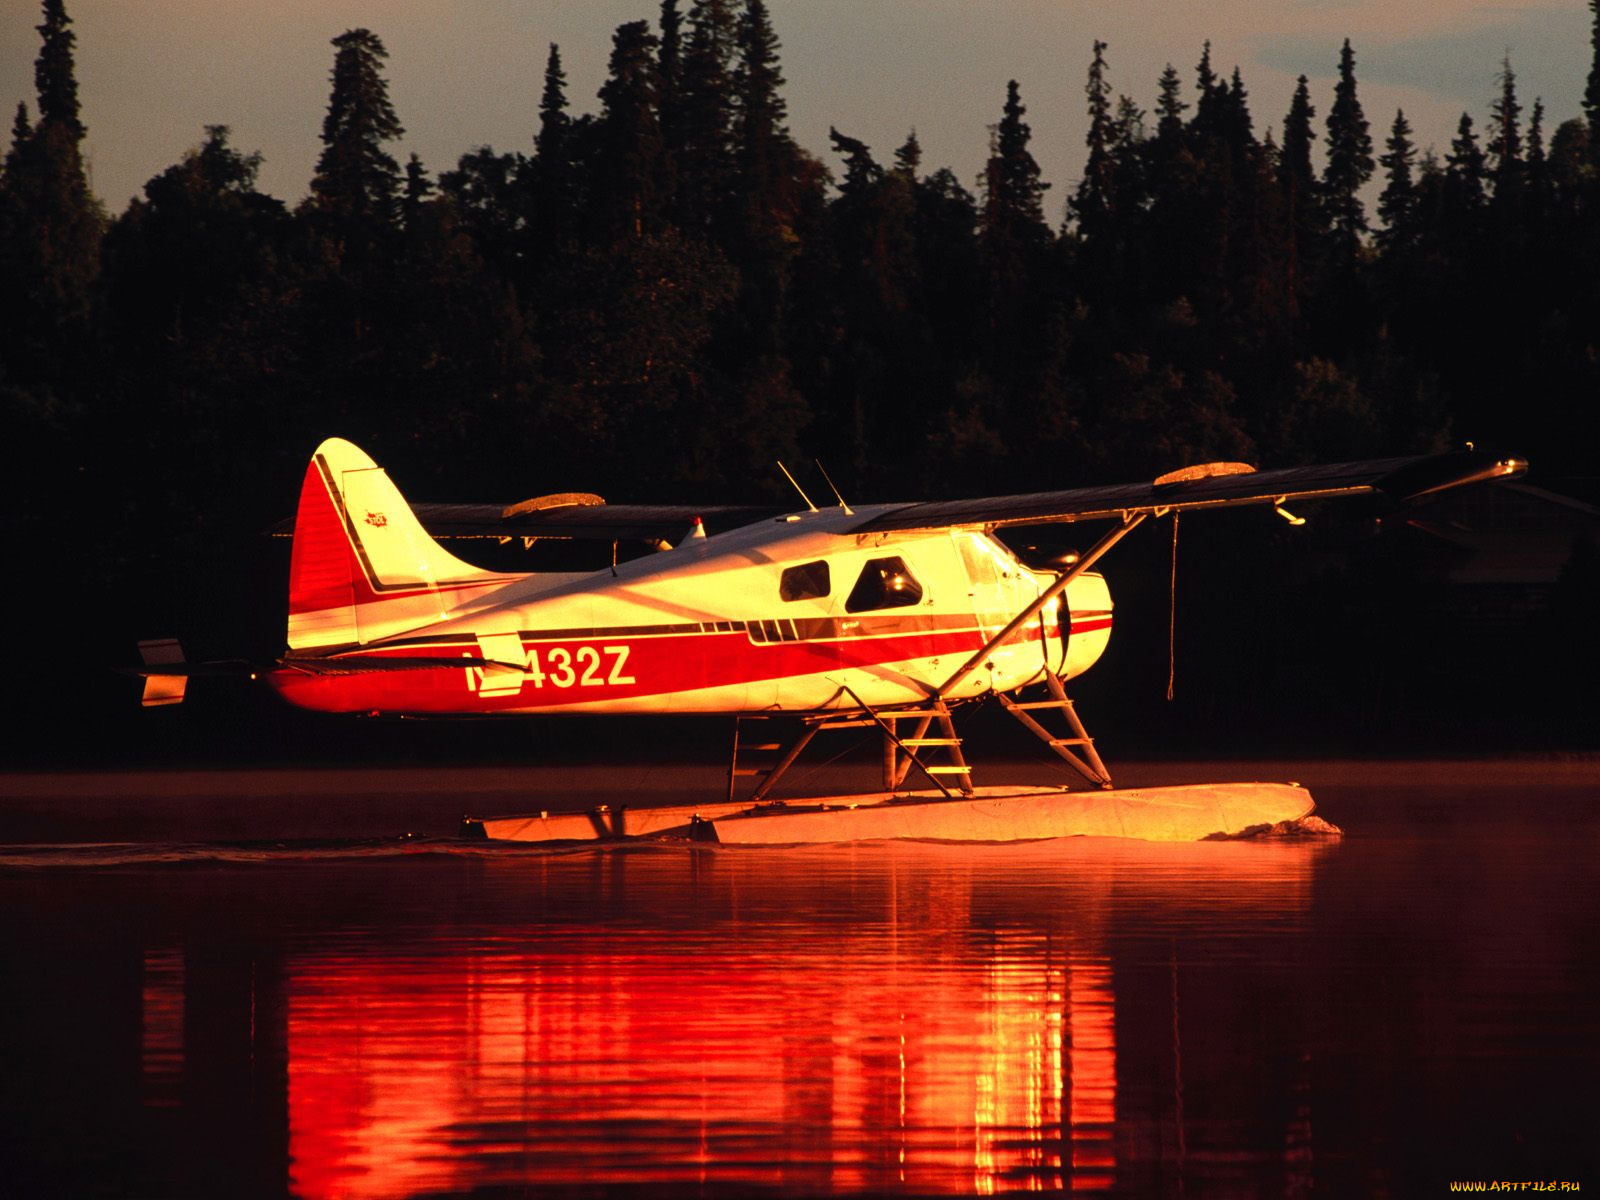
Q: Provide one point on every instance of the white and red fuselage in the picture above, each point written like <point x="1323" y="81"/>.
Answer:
<point x="793" y="614"/>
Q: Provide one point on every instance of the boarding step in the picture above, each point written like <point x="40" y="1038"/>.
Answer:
<point x="927" y="741"/>
<point x="1068" y="749"/>
<point x="755" y="756"/>
<point x="952" y="770"/>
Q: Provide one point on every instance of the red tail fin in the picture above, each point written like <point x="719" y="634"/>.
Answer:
<point x="362" y="567"/>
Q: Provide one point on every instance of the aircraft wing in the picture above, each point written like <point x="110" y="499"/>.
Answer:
<point x="1218" y="485"/>
<point x="1215" y="485"/>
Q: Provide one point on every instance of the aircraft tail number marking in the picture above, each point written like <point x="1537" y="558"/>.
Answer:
<point x="511" y="666"/>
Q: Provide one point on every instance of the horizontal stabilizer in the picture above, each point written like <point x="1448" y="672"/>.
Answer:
<point x="222" y="668"/>
<point x="163" y="686"/>
<point x="166" y="674"/>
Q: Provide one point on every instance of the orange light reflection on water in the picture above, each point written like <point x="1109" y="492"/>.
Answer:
<point x="918" y="1048"/>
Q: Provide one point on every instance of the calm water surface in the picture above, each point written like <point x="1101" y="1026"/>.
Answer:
<point x="1380" y="1015"/>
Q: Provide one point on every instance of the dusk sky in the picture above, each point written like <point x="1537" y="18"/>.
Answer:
<point x="465" y="73"/>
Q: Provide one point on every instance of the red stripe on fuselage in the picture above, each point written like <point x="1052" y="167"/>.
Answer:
<point x="583" y="670"/>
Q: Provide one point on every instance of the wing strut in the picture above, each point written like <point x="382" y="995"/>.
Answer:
<point x="1130" y="522"/>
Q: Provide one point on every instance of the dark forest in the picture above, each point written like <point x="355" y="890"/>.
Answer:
<point x="659" y="298"/>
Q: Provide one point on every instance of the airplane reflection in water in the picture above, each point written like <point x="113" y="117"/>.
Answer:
<point x="926" y="1019"/>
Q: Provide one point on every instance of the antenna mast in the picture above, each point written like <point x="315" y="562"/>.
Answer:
<point x="837" y="495"/>
<point x="797" y="487"/>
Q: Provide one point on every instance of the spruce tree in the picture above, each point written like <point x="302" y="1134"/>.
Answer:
<point x="1462" y="193"/>
<point x="1591" y="92"/>
<point x="1205" y="77"/>
<point x="1465" y="165"/>
<point x="669" y="69"/>
<point x="1237" y="127"/>
<point x="701" y="143"/>
<point x="1012" y="236"/>
<point x="1538" y="165"/>
<point x="1297" y="177"/>
<point x="669" y="66"/>
<point x="53" y="71"/>
<point x="628" y="193"/>
<point x="418" y="188"/>
<point x="50" y="223"/>
<point x="1170" y="107"/>
<point x="765" y="150"/>
<point x="1398" y="200"/>
<point x="1013" y="202"/>
<point x="1205" y="112"/>
<point x="908" y="158"/>
<point x="777" y="186"/>
<point x="356" y="180"/>
<point x="1505" y="136"/>
<point x="1092" y="206"/>
<point x="1298" y="174"/>
<point x="554" y="124"/>
<point x="554" y="174"/>
<point x="21" y="135"/>
<point x="1349" y="163"/>
<point x="861" y="171"/>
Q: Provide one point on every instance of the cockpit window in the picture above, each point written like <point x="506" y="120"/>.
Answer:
<point x="884" y="583"/>
<point x="809" y="581"/>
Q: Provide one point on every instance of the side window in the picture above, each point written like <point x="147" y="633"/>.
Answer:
<point x="884" y="583"/>
<point x="981" y="570"/>
<point x="809" y="581"/>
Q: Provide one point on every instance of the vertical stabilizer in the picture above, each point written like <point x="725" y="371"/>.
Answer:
<point x="362" y="567"/>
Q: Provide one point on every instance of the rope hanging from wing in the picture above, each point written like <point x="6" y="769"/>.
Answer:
<point x="1172" y="615"/>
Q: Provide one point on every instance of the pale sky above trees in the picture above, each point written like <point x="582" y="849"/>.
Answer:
<point x="465" y="73"/>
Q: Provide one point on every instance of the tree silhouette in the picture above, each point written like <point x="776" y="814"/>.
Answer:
<point x="1504" y="153"/>
<point x="628" y="172"/>
<point x="356" y="180"/>
<point x="1398" y="200"/>
<point x="53" y="72"/>
<point x="1349" y="164"/>
<point x="700" y="138"/>
<point x="50" y="224"/>
<point x="1591" y="91"/>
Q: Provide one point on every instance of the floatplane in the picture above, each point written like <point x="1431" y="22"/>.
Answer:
<point x="884" y="618"/>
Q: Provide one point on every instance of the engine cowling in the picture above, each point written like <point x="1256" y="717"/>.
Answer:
<point x="1085" y="622"/>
